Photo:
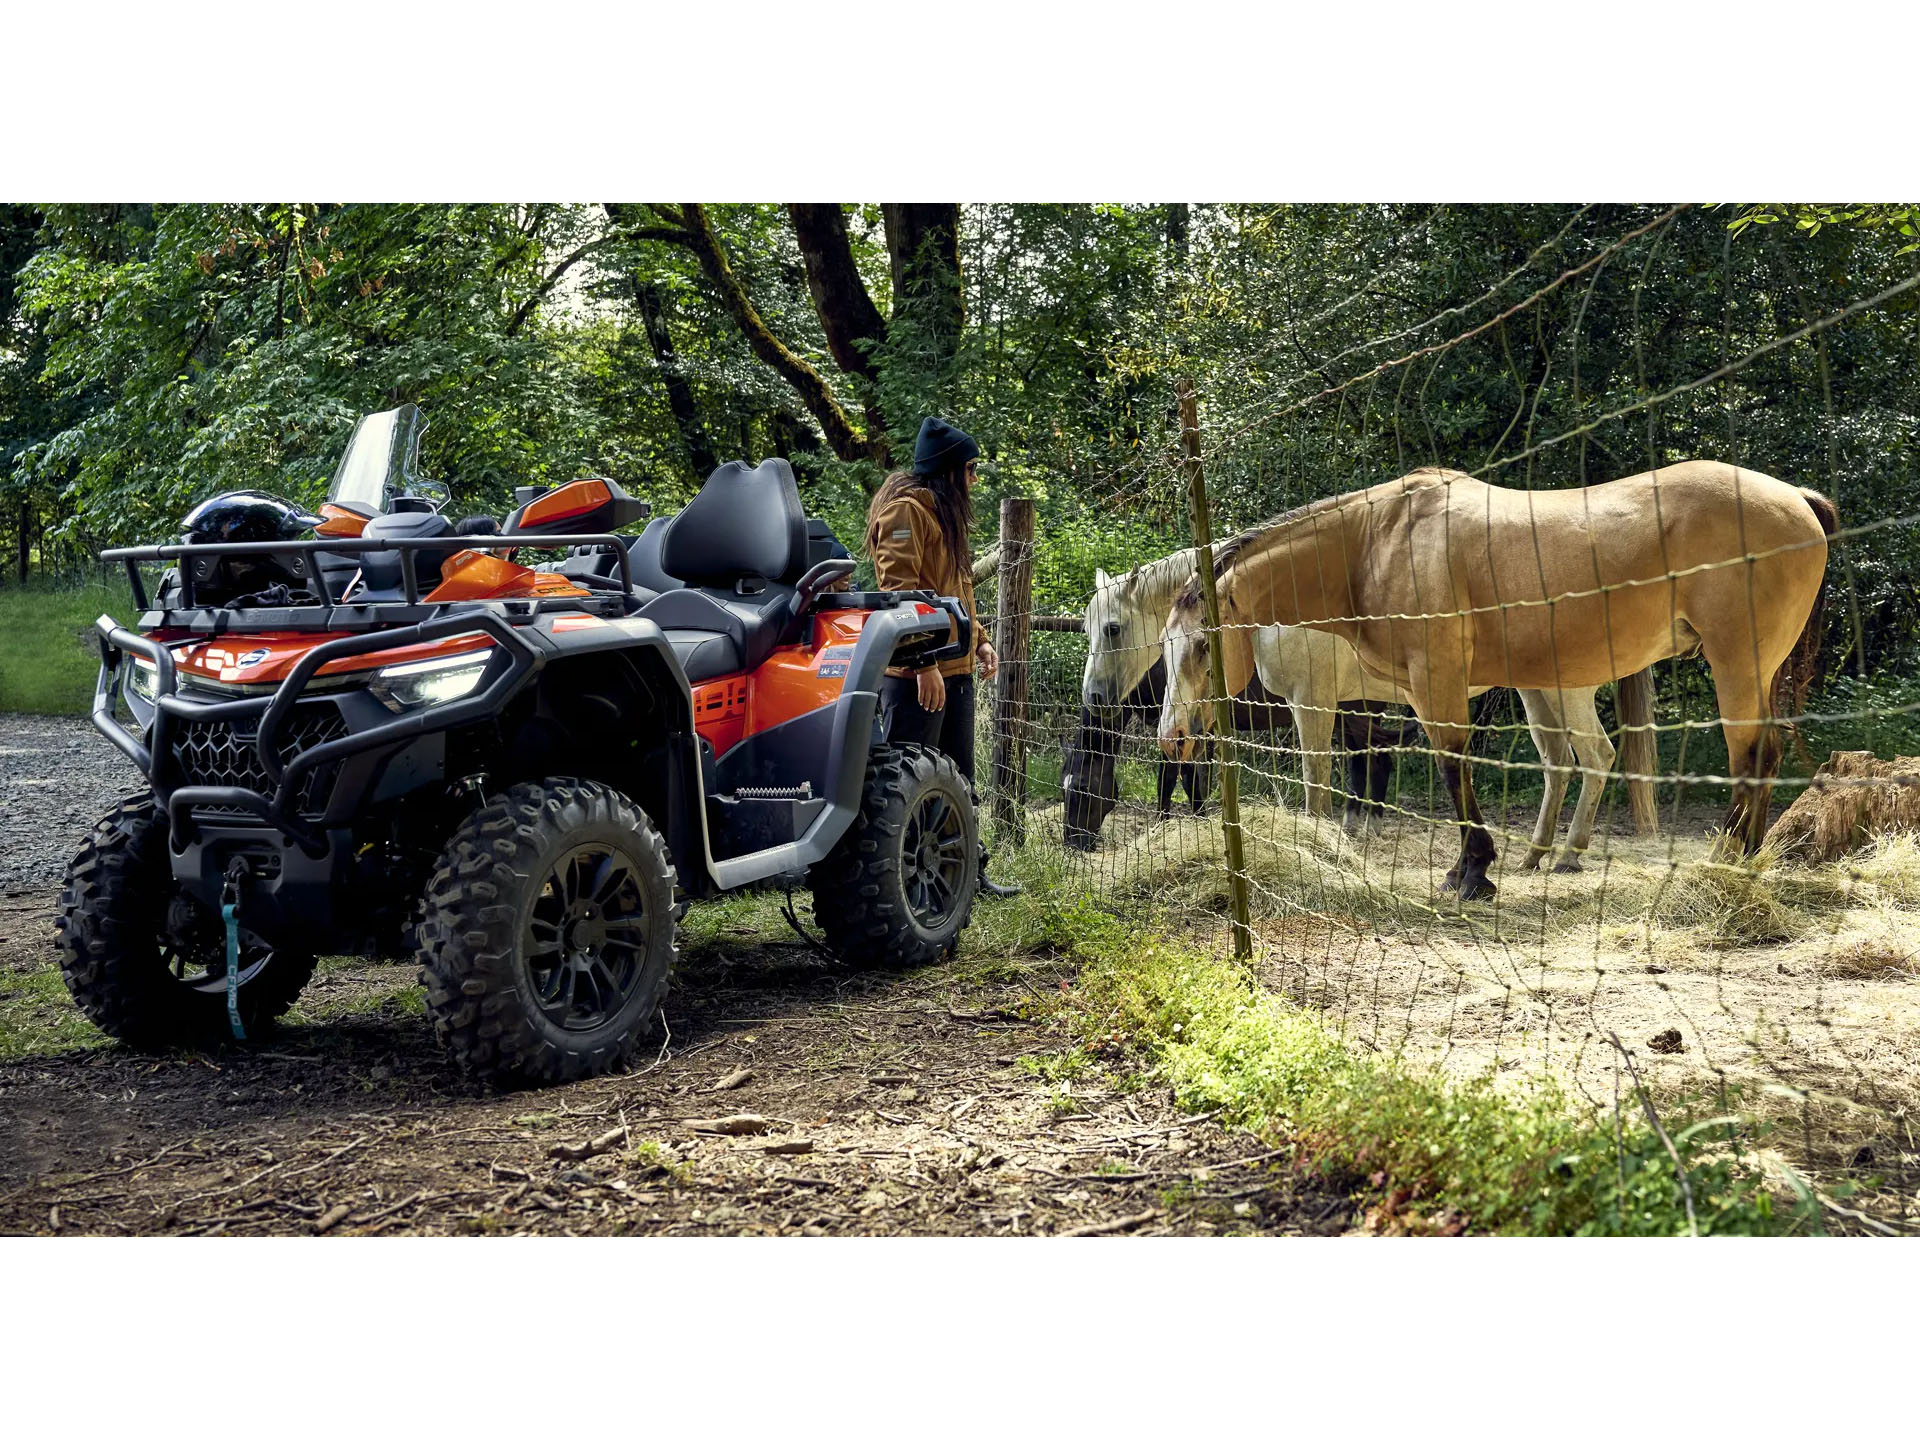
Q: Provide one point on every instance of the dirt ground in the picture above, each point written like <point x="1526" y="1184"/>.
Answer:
<point x="916" y="1103"/>
<point x="1791" y="995"/>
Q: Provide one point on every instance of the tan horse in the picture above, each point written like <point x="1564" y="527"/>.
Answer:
<point x="1447" y="585"/>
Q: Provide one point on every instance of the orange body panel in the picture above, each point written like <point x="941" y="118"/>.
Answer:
<point x="481" y="575"/>
<point x="792" y="681"/>
<point x="270" y="657"/>
<point x="580" y="497"/>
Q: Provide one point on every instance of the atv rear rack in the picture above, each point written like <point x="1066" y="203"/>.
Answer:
<point x="133" y="555"/>
<point x="277" y="808"/>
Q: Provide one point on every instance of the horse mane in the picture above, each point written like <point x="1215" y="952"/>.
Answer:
<point x="1154" y="585"/>
<point x="1227" y="554"/>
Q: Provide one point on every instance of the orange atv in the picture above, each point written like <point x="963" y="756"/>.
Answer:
<point x="400" y="736"/>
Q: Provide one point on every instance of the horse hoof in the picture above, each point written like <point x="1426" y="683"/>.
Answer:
<point x="1532" y="860"/>
<point x="1482" y="889"/>
<point x="1450" y="884"/>
<point x="1569" y="866"/>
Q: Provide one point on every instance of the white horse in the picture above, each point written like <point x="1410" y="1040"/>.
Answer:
<point x="1315" y="673"/>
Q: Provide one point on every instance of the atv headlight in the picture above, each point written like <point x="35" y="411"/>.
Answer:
<point x="422" y="683"/>
<point x="143" y="679"/>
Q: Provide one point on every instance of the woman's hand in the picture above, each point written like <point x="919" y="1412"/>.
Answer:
<point x="988" y="659"/>
<point x="933" y="689"/>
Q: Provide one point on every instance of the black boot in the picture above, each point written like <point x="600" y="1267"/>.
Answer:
<point x="987" y="887"/>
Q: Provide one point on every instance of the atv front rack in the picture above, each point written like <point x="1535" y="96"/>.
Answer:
<point x="376" y="611"/>
<point x="277" y="808"/>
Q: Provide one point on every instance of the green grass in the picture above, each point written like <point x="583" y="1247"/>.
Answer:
<point x="1432" y="1152"/>
<point x="48" y="659"/>
<point x="38" y="1017"/>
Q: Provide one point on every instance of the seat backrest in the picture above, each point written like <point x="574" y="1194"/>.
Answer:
<point x="643" y="557"/>
<point x="746" y="521"/>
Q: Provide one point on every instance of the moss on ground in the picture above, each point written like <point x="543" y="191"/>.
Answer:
<point x="1435" y="1153"/>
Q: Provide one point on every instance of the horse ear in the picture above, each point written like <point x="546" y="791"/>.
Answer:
<point x="1100" y="581"/>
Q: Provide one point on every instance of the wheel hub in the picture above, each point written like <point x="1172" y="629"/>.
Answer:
<point x="586" y="937"/>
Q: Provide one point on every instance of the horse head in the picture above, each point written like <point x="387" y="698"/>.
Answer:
<point x="1119" y="643"/>
<point x="1186" y="645"/>
<point x="1088" y="781"/>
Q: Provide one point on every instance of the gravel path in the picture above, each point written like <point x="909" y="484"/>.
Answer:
<point x="57" y="776"/>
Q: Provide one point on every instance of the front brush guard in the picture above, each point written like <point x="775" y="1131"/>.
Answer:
<point x="277" y="808"/>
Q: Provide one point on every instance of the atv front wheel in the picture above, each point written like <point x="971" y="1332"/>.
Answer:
<point x="146" y="962"/>
<point x="548" y="933"/>
<point x="899" y="886"/>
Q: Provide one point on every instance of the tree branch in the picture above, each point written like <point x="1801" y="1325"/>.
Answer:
<point x="545" y="288"/>
<point x="814" y="392"/>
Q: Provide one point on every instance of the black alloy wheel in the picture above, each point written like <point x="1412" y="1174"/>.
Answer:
<point x="587" y="937"/>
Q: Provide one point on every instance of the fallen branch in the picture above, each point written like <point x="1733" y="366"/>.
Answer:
<point x="332" y="1218"/>
<point x="587" y="1149"/>
<point x="731" y="1125"/>
<point x="731" y="1082"/>
<point x="1111" y="1227"/>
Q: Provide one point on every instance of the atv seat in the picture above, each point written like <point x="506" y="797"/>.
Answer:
<point x="735" y="553"/>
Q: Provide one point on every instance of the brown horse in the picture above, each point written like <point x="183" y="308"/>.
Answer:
<point x="1447" y="585"/>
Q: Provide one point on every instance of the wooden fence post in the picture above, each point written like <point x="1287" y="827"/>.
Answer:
<point x="1639" y="748"/>
<point x="1216" y="674"/>
<point x="1010" y="630"/>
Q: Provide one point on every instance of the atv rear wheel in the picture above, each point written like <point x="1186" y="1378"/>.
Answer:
<point x="147" y="963"/>
<point x="898" y="888"/>
<point x="548" y="933"/>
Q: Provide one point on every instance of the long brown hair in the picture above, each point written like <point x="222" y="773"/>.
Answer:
<point x="946" y="491"/>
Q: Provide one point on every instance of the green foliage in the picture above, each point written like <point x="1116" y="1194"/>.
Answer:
<point x="48" y="655"/>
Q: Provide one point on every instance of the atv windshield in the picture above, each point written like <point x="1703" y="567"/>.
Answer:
<point x="380" y="458"/>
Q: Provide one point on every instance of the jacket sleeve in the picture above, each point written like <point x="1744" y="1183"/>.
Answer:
<point x="898" y="540"/>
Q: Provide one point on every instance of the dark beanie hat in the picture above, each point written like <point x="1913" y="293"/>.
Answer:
<point x="941" y="446"/>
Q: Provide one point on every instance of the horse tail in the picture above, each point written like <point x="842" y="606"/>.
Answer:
<point x="1824" y="510"/>
<point x="1801" y="669"/>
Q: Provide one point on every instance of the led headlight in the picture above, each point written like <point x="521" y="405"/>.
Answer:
<point x="143" y="679"/>
<point x="419" y="684"/>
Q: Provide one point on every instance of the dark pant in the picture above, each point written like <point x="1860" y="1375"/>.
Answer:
<point x="949" y="730"/>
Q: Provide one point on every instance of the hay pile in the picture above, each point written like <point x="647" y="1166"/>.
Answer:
<point x="1854" y="797"/>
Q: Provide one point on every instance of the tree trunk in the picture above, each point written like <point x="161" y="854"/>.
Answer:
<point x="923" y="242"/>
<point x="686" y="411"/>
<point x="853" y="323"/>
<point x="1639" y="748"/>
<point x="854" y="327"/>
<point x="26" y="538"/>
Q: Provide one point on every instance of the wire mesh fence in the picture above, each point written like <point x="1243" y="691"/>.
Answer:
<point x="1531" y="743"/>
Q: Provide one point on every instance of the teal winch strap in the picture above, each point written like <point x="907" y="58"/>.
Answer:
<point x="233" y="970"/>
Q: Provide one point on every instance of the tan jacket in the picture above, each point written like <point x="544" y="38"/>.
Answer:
<point x="910" y="553"/>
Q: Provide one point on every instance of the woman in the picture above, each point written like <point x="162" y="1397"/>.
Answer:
<point x="917" y="530"/>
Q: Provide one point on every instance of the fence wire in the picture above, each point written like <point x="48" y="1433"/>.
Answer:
<point x="1780" y="987"/>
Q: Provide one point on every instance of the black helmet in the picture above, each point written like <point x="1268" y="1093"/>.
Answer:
<point x="245" y="515"/>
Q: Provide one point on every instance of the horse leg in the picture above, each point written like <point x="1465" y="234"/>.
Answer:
<point x="1356" y="813"/>
<point x="1549" y="730"/>
<point x="1199" y="779"/>
<point x="1314" y="726"/>
<point x="1169" y="772"/>
<point x="1596" y="754"/>
<point x="1753" y="746"/>
<point x="1477" y="853"/>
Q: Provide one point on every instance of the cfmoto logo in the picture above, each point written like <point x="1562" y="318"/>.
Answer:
<point x="252" y="657"/>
